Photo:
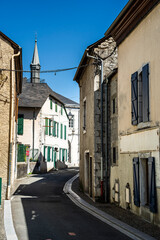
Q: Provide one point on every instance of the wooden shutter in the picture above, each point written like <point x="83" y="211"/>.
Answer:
<point x="152" y="185"/>
<point x="145" y="92"/>
<point x="46" y="126"/>
<point x="57" y="129"/>
<point x="60" y="154"/>
<point x="50" y="130"/>
<point x="48" y="155"/>
<point x="136" y="189"/>
<point x="44" y="153"/>
<point x="65" y="132"/>
<point x="20" y="124"/>
<point x="134" y="97"/>
<point x="66" y="155"/>
<point x="61" y="131"/>
<point x="50" y="103"/>
<point x="54" y="129"/>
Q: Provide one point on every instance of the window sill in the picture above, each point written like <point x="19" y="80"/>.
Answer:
<point x="143" y="125"/>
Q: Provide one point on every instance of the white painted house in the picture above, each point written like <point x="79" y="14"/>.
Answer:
<point x="42" y="126"/>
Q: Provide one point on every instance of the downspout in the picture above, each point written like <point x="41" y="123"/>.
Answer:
<point x="106" y="141"/>
<point x="101" y="128"/>
<point x="33" y="135"/>
<point x="11" y="124"/>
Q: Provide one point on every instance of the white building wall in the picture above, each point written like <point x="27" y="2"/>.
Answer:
<point x="73" y="136"/>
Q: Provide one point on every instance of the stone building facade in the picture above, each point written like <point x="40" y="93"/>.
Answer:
<point x="10" y="88"/>
<point x="89" y="79"/>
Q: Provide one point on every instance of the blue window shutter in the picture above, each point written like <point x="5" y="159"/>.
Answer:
<point x="134" y="97"/>
<point x="145" y="92"/>
<point x="152" y="185"/>
<point x="136" y="189"/>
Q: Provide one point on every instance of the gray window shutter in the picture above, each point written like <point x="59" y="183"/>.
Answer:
<point x="134" y="97"/>
<point x="136" y="189"/>
<point x="152" y="185"/>
<point x="145" y="92"/>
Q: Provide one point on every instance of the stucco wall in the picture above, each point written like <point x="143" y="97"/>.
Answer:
<point x="140" y="47"/>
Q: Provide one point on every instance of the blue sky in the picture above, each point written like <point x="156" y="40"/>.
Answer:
<point x="64" y="30"/>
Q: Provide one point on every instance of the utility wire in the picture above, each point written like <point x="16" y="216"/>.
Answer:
<point x="45" y="71"/>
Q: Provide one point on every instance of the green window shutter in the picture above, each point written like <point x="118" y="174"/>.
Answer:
<point x="52" y="154"/>
<point x="55" y="106"/>
<point x="20" y="124"/>
<point x="44" y="153"/>
<point x="50" y="103"/>
<point x="66" y="154"/>
<point x="57" y="129"/>
<point x="60" y="154"/>
<point x="61" y="131"/>
<point x="54" y="129"/>
<point x="50" y="129"/>
<point x="61" y="110"/>
<point x="46" y="126"/>
<point x="65" y="132"/>
<point x="48" y="154"/>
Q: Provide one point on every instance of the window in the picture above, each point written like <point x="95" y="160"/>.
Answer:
<point x="20" y="124"/>
<point x="56" y="107"/>
<point x="65" y="129"/>
<point x="114" y="106"/>
<point x="114" y="155"/>
<point x="71" y="122"/>
<point x="84" y="115"/>
<point x="50" y="103"/>
<point x="61" y="131"/>
<point x="144" y="183"/>
<point x="46" y="126"/>
<point x="140" y="95"/>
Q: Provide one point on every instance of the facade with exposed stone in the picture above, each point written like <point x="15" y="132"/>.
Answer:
<point x="10" y="88"/>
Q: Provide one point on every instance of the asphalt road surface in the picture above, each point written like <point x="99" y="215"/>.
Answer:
<point x="42" y="211"/>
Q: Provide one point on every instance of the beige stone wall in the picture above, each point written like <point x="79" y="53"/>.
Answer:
<point x="6" y="51"/>
<point x="140" y="47"/>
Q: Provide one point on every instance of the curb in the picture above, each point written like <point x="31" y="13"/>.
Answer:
<point x="106" y="218"/>
<point x="8" y="221"/>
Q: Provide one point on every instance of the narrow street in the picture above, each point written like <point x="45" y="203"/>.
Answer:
<point x="41" y="211"/>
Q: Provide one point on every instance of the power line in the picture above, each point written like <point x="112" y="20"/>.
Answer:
<point x="45" y="71"/>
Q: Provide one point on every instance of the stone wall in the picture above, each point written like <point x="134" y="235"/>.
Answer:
<point x="6" y="51"/>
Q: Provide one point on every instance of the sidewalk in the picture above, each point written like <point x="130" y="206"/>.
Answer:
<point x="2" y="231"/>
<point x="118" y="213"/>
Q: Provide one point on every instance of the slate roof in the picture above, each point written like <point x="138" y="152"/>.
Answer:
<point x="34" y="95"/>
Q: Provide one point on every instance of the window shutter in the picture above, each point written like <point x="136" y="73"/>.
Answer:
<point x="20" y="124"/>
<point x="44" y="153"/>
<point x="60" y="154"/>
<point x="136" y="181"/>
<point x="152" y="185"/>
<point x="65" y="132"/>
<point x="57" y="129"/>
<point x="54" y="128"/>
<point x="46" y="126"/>
<point x="66" y="155"/>
<point x="134" y="97"/>
<point x="48" y="155"/>
<point x="50" y="103"/>
<point x="61" y="131"/>
<point x="50" y="131"/>
<point x="145" y="92"/>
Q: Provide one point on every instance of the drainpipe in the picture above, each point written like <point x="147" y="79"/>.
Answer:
<point x="11" y="124"/>
<point x="101" y="61"/>
<point x="106" y="140"/>
<point x="33" y="135"/>
<point x="101" y="127"/>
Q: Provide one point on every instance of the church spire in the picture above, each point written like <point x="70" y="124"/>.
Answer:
<point x="35" y="65"/>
